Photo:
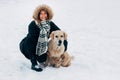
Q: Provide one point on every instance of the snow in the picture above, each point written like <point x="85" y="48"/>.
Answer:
<point x="93" y="28"/>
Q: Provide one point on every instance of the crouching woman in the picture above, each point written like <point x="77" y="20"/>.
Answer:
<point x="34" y="46"/>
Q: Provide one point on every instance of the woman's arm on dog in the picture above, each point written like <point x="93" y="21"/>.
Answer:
<point x="65" y="44"/>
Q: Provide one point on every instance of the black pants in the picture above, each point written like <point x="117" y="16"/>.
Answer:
<point x="31" y="56"/>
<point x="22" y="48"/>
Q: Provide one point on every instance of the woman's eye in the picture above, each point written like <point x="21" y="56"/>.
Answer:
<point x="56" y="36"/>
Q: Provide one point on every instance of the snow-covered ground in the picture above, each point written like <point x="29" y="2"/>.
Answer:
<point x="93" y="28"/>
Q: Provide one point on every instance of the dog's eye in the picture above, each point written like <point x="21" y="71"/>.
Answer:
<point x="56" y="36"/>
<point x="61" y="35"/>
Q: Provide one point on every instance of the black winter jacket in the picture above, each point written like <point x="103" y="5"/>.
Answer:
<point x="28" y="44"/>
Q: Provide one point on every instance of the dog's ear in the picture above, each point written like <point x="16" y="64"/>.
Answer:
<point x="52" y="35"/>
<point x="65" y="35"/>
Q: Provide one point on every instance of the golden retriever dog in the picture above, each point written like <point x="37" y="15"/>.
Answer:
<point x="56" y="55"/>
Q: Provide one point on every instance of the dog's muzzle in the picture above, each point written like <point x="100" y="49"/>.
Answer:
<point x="59" y="43"/>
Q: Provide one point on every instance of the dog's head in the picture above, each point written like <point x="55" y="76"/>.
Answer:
<point x="58" y="36"/>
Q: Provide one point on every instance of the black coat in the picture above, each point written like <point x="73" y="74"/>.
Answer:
<point x="28" y="44"/>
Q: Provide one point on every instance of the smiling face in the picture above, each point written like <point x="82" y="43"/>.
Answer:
<point x="43" y="15"/>
<point x="58" y="37"/>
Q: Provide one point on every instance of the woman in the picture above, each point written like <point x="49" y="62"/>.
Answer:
<point x="34" y="45"/>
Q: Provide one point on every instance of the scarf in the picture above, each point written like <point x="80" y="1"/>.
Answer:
<point x="42" y="44"/>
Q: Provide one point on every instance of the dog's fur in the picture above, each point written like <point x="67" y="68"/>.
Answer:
<point x="56" y="55"/>
<point x="53" y="61"/>
<point x="66" y="59"/>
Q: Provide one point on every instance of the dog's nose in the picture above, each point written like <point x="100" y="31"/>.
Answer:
<point x="59" y="42"/>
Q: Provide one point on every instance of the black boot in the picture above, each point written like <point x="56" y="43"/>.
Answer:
<point x="36" y="68"/>
<point x="34" y="65"/>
